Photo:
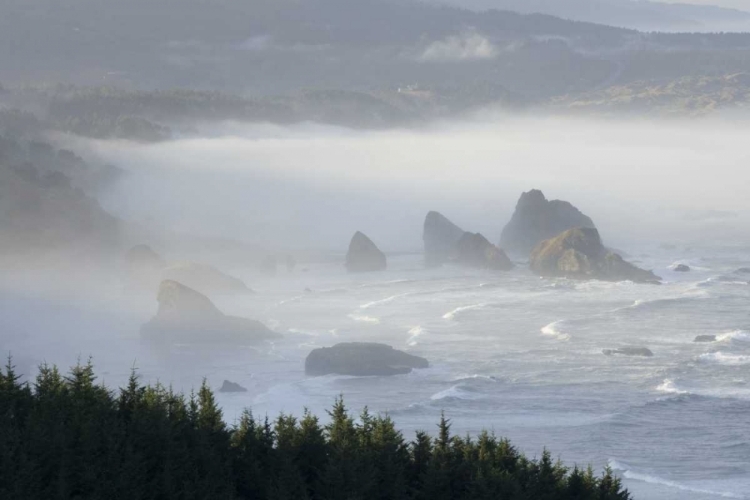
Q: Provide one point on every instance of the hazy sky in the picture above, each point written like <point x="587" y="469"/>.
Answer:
<point x="737" y="4"/>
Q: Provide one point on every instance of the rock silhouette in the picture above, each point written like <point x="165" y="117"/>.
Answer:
<point x="476" y="251"/>
<point x="440" y="238"/>
<point x="361" y="359"/>
<point x="364" y="255"/>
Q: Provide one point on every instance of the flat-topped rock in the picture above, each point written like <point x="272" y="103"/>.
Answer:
<point x="475" y="250"/>
<point x="629" y="351"/>
<point x="579" y="254"/>
<point x="204" y="278"/>
<point x="440" y="238"/>
<point x="186" y="315"/>
<point x="361" y="359"/>
<point x="228" y="386"/>
<point x="705" y="338"/>
<point x="537" y="219"/>
<point x="364" y="255"/>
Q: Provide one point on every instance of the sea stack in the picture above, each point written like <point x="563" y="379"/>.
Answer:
<point x="186" y="315"/>
<point x="361" y="359"/>
<point x="537" y="219"/>
<point x="440" y="238"/>
<point x="579" y="254"/>
<point x="475" y="250"/>
<point x="364" y="255"/>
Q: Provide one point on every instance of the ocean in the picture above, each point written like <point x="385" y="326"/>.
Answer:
<point x="509" y="352"/>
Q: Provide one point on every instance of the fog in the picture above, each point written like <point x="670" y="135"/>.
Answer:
<point x="312" y="186"/>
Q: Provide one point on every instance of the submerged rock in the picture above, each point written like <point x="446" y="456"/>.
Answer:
<point x="536" y="219"/>
<point x="440" y="238"/>
<point x="364" y="256"/>
<point x="228" y="386"/>
<point x="361" y="359"/>
<point x="474" y="250"/>
<point x="705" y="338"/>
<point x="681" y="268"/>
<point x="579" y="254"/>
<point x="186" y="315"/>
<point x="629" y="351"/>
<point x="205" y="278"/>
<point x="743" y="270"/>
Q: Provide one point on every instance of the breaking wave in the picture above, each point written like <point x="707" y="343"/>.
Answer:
<point x="415" y="333"/>
<point x="720" y="358"/>
<point x="365" y="319"/>
<point x="452" y="314"/>
<point x="735" y="336"/>
<point x="455" y="392"/>
<point x="382" y="301"/>
<point x="554" y="330"/>
<point x="669" y="387"/>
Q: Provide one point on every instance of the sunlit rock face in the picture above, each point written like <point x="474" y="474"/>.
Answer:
<point x="579" y="254"/>
<point x="537" y="219"/>
<point x="364" y="255"/>
<point x="361" y="359"/>
<point x="475" y="250"/>
<point x="440" y="238"/>
<point x="186" y="315"/>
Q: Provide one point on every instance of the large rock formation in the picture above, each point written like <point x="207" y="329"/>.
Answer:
<point x="536" y="219"/>
<point x="204" y="278"/>
<point x="228" y="386"/>
<point x="474" y="250"/>
<point x="440" y="238"/>
<point x="578" y="253"/>
<point x="361" y="359"/>
<point x="363" y="255"/>
<point x="185" y="315"/>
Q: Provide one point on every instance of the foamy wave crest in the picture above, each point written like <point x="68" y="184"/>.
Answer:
<point x="299" y="331"/>
<point x="382" y="301"/>
<point x="365" y="319"/>
<point x="455" y="392"/>
<point x="628" y="473"/>
<point x="452" y="314"/>
<point x="669" y="387"/>
<point x="735" y="336"/>
<point x="554" y="330"/>
<point x="415" y="333"/>
<point x="720" y="358"/>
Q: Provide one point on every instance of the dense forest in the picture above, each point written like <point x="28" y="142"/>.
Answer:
<point x="66" y="436"/>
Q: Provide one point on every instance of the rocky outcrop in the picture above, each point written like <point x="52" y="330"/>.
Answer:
<point x="536" y="219"/>
<point x="440" y="238"/>
<point x="204" y="278"/>
<point x="705" y="338"/>
<point x="629" y="351"/>
<point x="579" y="254"/>
<point x="681" y="268"/>
<point x="474" y="250"/>
<point x="228" y="386"/>
<point x="361" y="359"/>
<point x="364" y="256"/>
<point x="186" y="315"/>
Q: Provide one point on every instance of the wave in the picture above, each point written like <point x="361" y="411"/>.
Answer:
<point x="669" y="387"/>
<point x="628" y="473"/>
<point x="415" y="333"/>
<point x="299" y="331"/>
<point x="455" y="392"/>
<point x="365" y="319"/>
<point x="553" y="330"/>
<point x="735" y="336"/>
<point x="386" y="283"/>
<point x="383" y="301"/>
<point x="720" y="358"/>
<point x="452" y="314"/>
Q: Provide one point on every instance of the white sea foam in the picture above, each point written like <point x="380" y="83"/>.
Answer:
<point x="721" y="358"/>
<point x="669" y="387"/>
<point x="455" y="392"/>
<point x="382" y="301"/>
<point x="452" y="314"/>
<point x="735" y="336"/>
<point x="299" y="331"/>
<point x="554" y="330"/>
<point x="365" y="319"/>
<point x="415" y="333"/>
<point x="628" y="473"/>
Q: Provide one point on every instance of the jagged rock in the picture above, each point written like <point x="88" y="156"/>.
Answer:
<point x="143" y="267"/>
<point x="361" y="359"/>
<point x="186" y="315"/>
<point x="268" y="265"/>
<point x="629" y="351"/>
<point x="204" y="278"/>
<point x="474" y="250"/>
<point x="228" y="386"/>
<point x="705" y="338"/>
<point x="579" y="254"/>
<point x="536" y="219"/>
<point x="440" y="238"/>
<point x="364" y="256"/>
<point x="681" y="268"/>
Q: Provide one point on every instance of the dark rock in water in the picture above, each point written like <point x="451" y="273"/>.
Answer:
<point x="361" y="359"/>
<point x="308" y="290"/>
<point x="536" y="219"/>
<point x="681" y="268"/>
<point x="743" y="270"/>
<point x="705" y="338"/>
<point x="440" y="238"/>
<point x="364" y="256"/>
<point x="268" y="265"/>
<point x="204" y="278"/>
<point x="228" y="386"/>
<point x="579" y="254"/>
<point x="474" y="250"/>
<point x="629" y="351"/>
<point x="143" y="267"/>
<point x="186" y="315"/>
